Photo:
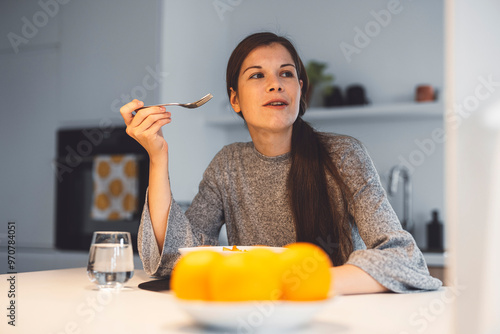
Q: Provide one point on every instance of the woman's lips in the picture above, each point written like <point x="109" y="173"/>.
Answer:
<point x="276" y="103"/>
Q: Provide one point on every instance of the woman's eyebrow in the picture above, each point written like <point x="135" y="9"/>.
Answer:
<point x="260" y="67"/>
<point x="250" y="67"/>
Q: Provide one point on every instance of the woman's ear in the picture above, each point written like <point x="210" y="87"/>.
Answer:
<point x="235" y="103"/>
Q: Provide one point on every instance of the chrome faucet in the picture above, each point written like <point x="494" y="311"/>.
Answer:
<point x="403" y="172"/>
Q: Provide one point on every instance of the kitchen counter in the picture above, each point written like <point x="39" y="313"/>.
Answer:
<point x="65" y="301"/>
<point x="435" y="259"/>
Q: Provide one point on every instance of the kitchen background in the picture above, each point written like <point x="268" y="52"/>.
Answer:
<point x="86" y="59"/>
<point x="82" y="60"/>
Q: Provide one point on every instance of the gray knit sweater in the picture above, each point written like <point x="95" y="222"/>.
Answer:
<point x="247" y="191"/>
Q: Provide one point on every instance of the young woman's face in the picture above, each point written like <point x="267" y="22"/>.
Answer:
<point x="268" y="90"/>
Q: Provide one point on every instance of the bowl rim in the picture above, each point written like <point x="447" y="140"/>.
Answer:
<point x="219" y="249"/>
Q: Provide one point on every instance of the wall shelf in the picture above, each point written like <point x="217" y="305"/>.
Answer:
<point x="385" y="112"/>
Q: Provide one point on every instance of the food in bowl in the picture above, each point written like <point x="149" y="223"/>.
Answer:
<point x="297" y="272"/>
<point x="226" y="250"/>
<point x="233" y="249"/>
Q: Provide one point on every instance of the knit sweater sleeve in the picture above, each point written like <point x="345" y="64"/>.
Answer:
<point x="199" y="225"/>
<point x="392" y="256"/>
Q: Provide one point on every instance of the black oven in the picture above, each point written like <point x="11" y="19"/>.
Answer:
<point x="79" y="209"/>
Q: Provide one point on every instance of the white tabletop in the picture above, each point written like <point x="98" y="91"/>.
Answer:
<point x="65" y="301"/>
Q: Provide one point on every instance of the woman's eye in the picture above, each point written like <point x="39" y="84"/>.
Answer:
<point x="256" y="76"/>
<point x="287" y="74"/>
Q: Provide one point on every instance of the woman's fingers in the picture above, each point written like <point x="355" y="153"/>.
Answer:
<point x="143" y="114"/>
<point x="146" y="126"/>
<point x="148" y="133"/>
<point x="127" y="110"/>
<point x="142" y="132"/>
<point x="156" y="126"/>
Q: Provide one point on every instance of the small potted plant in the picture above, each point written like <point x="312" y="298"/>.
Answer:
<point x="318" y="79"/>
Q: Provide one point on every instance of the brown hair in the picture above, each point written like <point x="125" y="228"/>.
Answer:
<point x="317" y="219"/>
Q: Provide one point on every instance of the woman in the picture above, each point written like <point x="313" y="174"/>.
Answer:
<point x="290" y="183"/>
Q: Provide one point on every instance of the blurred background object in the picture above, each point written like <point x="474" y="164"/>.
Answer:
<point x="424" y="93"/>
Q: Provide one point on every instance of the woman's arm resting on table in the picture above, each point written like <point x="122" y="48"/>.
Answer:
<point x="348" y="279"/>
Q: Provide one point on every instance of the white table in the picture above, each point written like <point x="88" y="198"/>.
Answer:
<point x="65" y="301"/>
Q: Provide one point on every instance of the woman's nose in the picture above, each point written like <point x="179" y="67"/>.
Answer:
<point x="274" y="84"/>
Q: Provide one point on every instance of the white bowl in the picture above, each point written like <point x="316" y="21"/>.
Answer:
<point x="248" y="317"/>
<point x="219" y="249"/>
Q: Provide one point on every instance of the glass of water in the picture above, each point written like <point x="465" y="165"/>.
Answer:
<point x="111" y="260"/>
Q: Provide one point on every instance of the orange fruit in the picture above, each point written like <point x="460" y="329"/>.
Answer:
<point x="244" y="276"/>
<point x="306" y="273"/>
<point x="190" y="277"/>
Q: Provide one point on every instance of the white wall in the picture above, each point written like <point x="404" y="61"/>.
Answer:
<point x="406" y="52"/>
<point x="474" y="162"/>
<point x="71" y="72"/>
<point x="193" y="50"/>
<point x="28" y="85"/>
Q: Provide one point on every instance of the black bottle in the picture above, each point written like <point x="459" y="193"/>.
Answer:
<point x="435" y="234"/>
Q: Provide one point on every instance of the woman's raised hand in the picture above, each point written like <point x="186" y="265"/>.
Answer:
<point x="145" y="127"/>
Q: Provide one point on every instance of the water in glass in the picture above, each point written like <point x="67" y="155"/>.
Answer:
<point x="111" y="261"/>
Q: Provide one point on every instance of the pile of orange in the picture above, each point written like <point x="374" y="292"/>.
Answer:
<point x="300" y="273"/>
